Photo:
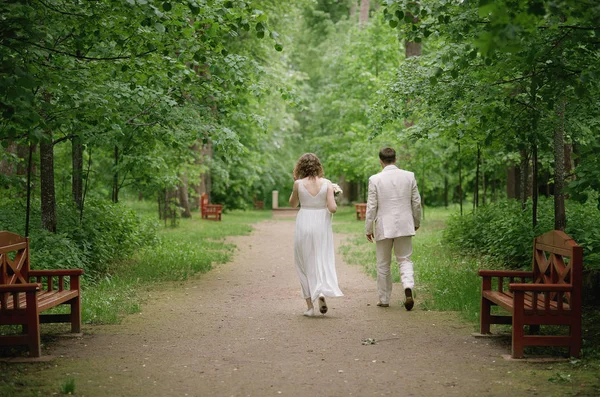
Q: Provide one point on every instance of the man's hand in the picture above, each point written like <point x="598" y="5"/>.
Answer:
<point x="370" y="238"/>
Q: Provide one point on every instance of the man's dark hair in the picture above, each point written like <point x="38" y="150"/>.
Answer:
<point x="387" y="155"/>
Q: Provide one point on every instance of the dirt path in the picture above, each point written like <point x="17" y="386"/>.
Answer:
<point x="239" y="331"/>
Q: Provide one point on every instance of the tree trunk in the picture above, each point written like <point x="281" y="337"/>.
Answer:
<point x="184" y="203"/>
<point x="534" y="183"/>
<point x="115" y="188"/>
<point x="353" y="10"/>
<point x="483" y="183"/>
<point x="363" y="17"/>
<point x="477" y="169"/>
<point x="512" y="191"/>
<point x="411" y="49"/>
<point x="77" y="177"/>
<point x="524" y="178"/>
<point x="460" y="195"/>
<point x="48" y="196"/>
<point x="560" y="218"/>
<point x="28" y="205"/>
<point x="446" y="189"/>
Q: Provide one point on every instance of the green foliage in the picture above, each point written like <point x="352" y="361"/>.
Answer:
<point x="502" y="231"/>
<point x="68" y="387"/>
<point x="107" y="232"/>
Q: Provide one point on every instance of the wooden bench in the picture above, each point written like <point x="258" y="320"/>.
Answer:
<point x="551" y="297"/>
<point x="209" y="211"/>
<point x="258" y="204"/>
<point x="22" y="301"/>
<point x="361" y="211"/>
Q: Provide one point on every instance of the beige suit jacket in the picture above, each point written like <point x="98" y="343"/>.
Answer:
<point x="394" y="204"/>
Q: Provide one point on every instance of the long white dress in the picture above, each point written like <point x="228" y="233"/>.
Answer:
<point x="314" y="254"/>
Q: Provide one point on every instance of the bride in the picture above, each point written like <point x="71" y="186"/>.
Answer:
<point x="314" y="254"/>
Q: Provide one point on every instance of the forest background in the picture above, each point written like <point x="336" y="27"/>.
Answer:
<point x="493" y="104"/>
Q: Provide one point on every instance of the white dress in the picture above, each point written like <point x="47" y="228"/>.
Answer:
<point x="313" y="245"/>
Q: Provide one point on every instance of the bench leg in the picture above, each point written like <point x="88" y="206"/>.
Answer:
<point x="76" y="315"/>
<point x="33" y="326"/>
<point x="575" y="332"/>
<point x="518" y="333"/>
<point x="484" y="316"/>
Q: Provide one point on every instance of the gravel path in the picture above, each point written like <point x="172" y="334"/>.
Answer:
<point x="239" y="331"/>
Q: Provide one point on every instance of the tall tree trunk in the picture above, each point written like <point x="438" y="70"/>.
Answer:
<point x="560" y="218"/>
<point x="363" y="17"/>
<point x="353" y="9"/>
<point x="184" y="203"/>
<point x="512" y="190"/>
<point x="77" y="177"/>
<point x="477" y="169"/>
<point x="115" y="187"/>
<point x="7" y="167"/>
<point x="460" y="194"/>
<point x="411" y="48"/>
<point x="446" y="189"/>
<point x="483" y="183"/>
<point x="48" y="196"/>
<point x="28" y="206"/>
<point x="534" y="183"/>
<point x="524" y="168"/>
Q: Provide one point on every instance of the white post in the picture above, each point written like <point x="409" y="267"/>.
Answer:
<point x="275" y="199"/>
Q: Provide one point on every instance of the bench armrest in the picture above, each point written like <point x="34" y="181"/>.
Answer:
<point x="541" y="287"/>
<point x="30" y="287"/>
<point x="58" y="272"/>
<point x="505" y="273"/>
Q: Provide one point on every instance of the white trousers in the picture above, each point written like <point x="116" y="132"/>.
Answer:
<point x="402" y="247"/>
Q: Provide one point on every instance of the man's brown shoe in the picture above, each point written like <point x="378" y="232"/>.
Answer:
<point x="383" y="304"/>
<point x="409" y="302"/>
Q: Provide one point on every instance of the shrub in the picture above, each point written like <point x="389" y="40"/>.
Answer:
<point x="107" y="232"/>
<point x="503" y="231"/>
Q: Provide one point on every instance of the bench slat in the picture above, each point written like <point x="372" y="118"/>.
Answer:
<point x="505" y="300"/>
<point x="46" y="300"/>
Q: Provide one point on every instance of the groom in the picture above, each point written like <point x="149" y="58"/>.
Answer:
<point x="394" y="205"/>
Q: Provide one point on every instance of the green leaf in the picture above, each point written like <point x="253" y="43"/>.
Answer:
<point x="278" y="47"/>
<point x="260" y="27"/>
<point x="260" y="34"/>
<point x="167" y="6"/>
<point x="399" y="14"/>
<point x="393" y="23"/>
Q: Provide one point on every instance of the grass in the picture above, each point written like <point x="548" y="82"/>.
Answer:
<point x="193" y="247"/>
<point x="445" y="280"/>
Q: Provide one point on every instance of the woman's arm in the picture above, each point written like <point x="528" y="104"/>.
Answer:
<point x="294" y="199"/>
<point x="331" y="204"/>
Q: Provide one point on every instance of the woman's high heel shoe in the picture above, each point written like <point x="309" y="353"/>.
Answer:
<point x="322" y="305"/>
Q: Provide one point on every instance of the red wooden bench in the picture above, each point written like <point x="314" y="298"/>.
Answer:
<point x="258" y="204"/>
<point x="551" y="297"/>
<point x="209" y="211"/>
<point x="361" y="211"/>
<point x="22" y="301"/>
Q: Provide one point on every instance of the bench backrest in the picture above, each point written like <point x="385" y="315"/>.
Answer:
<point x="557" y="259"/>
<point x="14" y="258"/>
<point x="14" y="262"/>
<point x="203" y="201"/>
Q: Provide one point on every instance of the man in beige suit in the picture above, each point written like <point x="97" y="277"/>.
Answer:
<point x="394" y="205"/>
